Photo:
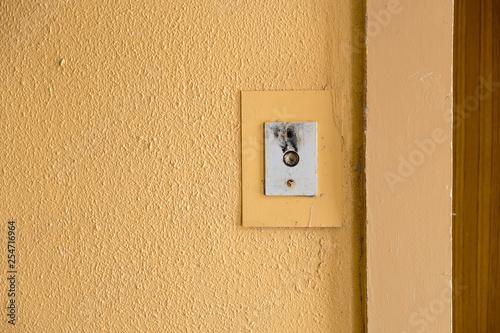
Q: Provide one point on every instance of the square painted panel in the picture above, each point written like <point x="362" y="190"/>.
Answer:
<point x="304" y="208"/>
<point x="291" y="159"/>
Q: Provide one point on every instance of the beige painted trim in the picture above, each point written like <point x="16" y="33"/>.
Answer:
<point x="409" y="165"/>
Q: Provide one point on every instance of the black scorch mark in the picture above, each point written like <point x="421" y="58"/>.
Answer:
<point x="286" y="135"/>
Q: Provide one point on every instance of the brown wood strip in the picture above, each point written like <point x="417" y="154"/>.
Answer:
<point x="469" y="211"/>
<point x="476" y="192"/>
<point x="494" y="269"/>
<point x="485" y="169"/>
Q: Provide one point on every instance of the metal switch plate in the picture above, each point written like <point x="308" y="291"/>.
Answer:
<point x="291" y="159"/>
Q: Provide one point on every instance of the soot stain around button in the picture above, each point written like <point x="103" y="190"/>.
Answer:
<point x="286" y="135"/>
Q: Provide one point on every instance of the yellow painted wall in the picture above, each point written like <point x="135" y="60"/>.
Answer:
<point x="120" y="163"/>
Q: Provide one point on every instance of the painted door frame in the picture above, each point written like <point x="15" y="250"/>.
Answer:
<point x="409" y="165"/>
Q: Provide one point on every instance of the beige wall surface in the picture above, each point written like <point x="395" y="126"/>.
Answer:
<point x="120" y="163"/>
<point x="408" y="165"/>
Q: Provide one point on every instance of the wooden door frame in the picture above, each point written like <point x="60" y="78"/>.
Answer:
<point x="476" y="204"/>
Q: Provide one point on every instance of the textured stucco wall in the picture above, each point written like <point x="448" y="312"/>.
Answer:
<point x="120" y="162"/>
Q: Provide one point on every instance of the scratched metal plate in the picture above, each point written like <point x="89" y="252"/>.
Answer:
<point x="284" y="180"/>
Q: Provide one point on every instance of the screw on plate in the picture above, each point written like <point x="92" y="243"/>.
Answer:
<point x="290" y="183"/>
